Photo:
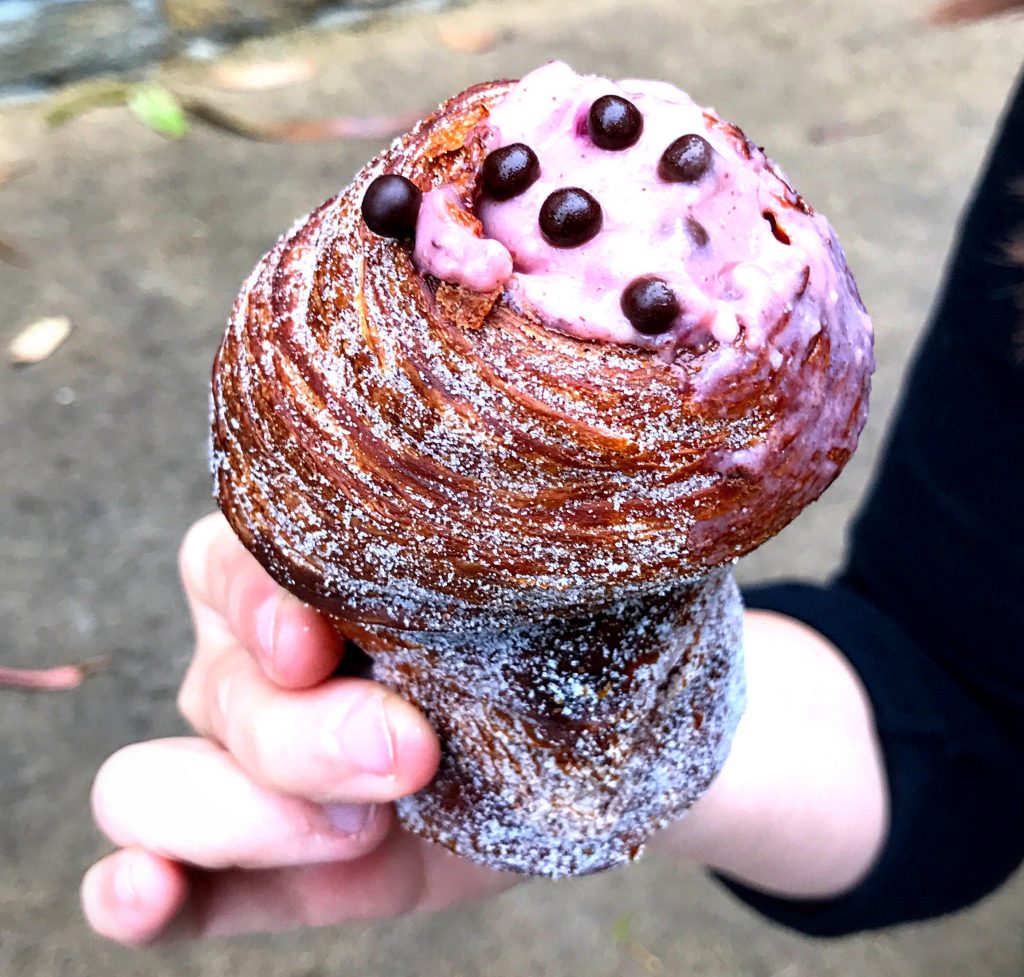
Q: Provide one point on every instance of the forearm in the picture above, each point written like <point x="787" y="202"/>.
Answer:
<point x="927" y="612"/>
<point x="800" y="807"/>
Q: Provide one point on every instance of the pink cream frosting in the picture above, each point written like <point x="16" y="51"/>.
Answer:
<point x="736" y="273"/>
<point x="449" y="245"/>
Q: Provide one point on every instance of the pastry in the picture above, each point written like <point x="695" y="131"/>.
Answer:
<point x="509" y="407"/>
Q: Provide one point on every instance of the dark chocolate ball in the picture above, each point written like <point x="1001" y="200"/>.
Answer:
<point x="686" y="160"/>
<point x="570" y="217"/>
<point x="698" y="232"/>
<point x="391" y="205"/>
<point x="650" y="305"/>
<point x="508" y="171"/>
<point x="614" y="122"/>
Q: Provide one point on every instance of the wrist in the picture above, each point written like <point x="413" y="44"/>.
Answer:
<point x="799" y="808"/>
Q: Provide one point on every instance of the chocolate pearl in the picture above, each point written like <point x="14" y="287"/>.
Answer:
<point x="650" y="305"/>
<point x="686" y="160"/>
<point x="614" y="123"/>
<point x="508" y="171"/>
<point x="570" y="217"/>
<point x="698" y="232"/>
<point x="391" y="205"/>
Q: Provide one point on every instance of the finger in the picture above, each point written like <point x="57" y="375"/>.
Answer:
<point x="402" y="875"/>
<point x="132" y="895"/>
<point x="232" y="596"/>
<point x="187" y="800"/>
<point x="135" y="896"/>
<point x="345" y="740"/>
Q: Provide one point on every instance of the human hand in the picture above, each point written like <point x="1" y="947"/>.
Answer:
<point x="278" y="814"/>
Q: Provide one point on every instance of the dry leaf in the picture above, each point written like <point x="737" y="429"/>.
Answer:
<point x="10" y="255"/>
<point x="468" y="40"/>
<point x="36" y="342"/>
<point x="300" y="130"/>
<point x="955" y="11"/>
<point x="259" y="76"/>
<point x="646" y="959"/>
<point x="12" y="171"/>
<point x="840" y="130"/>
<point x="51" y="679"/>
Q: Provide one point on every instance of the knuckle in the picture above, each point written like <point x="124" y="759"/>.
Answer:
<point x="244" y="718"/>
<point x="189" y="542"/>
<point x="206" y="558"/>
<point x="198" y="698"/>
<point x="236" y="599"/>
<point x="219" y="703"/>
<point x="218" y="696"/>
<point x="192" y="555"/>
<point x="266" y="739"/>
<point x="188" y="702"/>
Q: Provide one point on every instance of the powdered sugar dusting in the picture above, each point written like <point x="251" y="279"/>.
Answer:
<point x="523" y="527"/>
<point x="394" y="463"/>
<point x="568" y="744"/>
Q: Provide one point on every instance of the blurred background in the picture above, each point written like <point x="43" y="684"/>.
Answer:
<point x="132" y="204"/>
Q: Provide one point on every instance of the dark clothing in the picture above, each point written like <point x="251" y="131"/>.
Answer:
<point x="930" y="606"/>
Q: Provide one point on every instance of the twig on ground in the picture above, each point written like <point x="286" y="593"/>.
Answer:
<point x="956" y="11"/>
<point x="57" y="679"/>
<point x="299" y="130"/>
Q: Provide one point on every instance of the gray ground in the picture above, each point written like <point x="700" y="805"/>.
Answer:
<point x="142" y="242"/>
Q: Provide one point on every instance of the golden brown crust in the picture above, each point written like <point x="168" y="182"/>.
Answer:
<point x="568" y="743"/>
<point x="403" y="452"/>
<point x="522" y="528"/>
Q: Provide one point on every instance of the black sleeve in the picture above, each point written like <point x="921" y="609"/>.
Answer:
<point x="930" y="606"/>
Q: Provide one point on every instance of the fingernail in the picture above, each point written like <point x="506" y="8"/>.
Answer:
<point x="349" y="818"/>
<point x="367" y="739"/>
<point x="134" y="879"/>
